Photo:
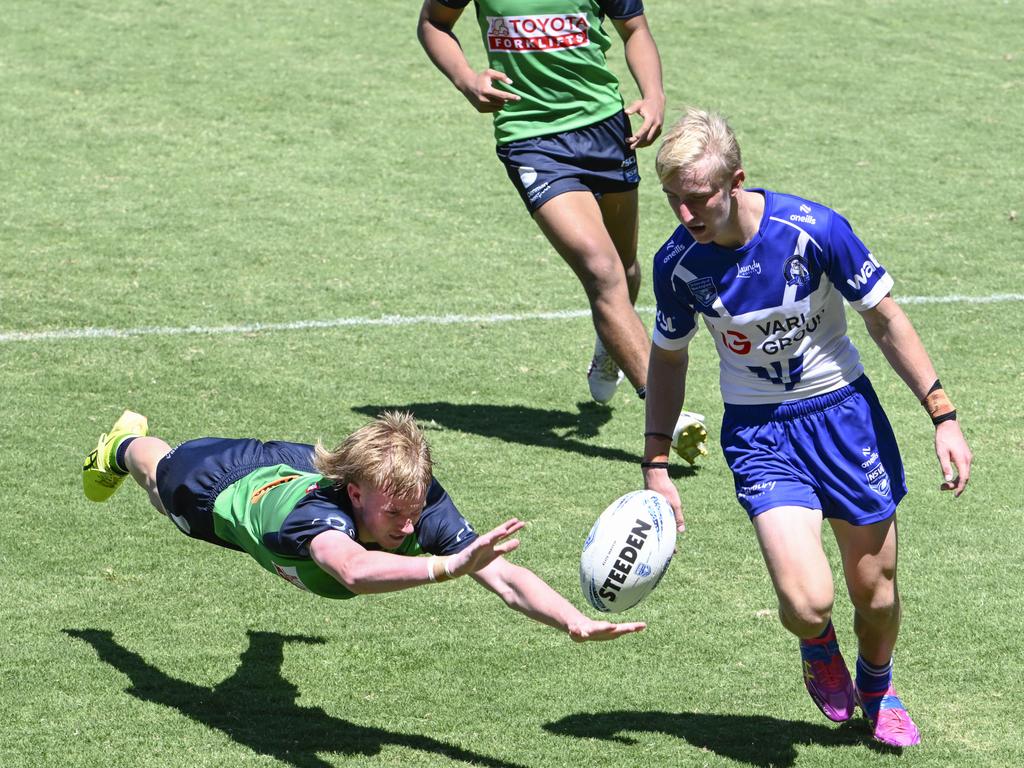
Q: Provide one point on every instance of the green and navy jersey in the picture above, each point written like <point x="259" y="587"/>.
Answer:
<point x="775" y="305"/>
<point x="554" y="52"/>
<point x="273" y="513"/>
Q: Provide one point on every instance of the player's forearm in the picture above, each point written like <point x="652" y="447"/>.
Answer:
<point x="895" y="336"/>
<point x="364" y="572"/>
<point x="444" y="50"/>
<point x="643" y="60"/>
<point x="666" y="389"/>
<point x="526" y="592"/>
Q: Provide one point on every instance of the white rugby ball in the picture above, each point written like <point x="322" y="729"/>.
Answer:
<point x="627" y="551"/>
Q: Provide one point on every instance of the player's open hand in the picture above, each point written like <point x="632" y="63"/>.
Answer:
<point x="484" y="95"/>
<point x="652" y="110"/>
<point x="602" y="630"/>
<point x="953" y="452"/>
<point x="486" y="549"/>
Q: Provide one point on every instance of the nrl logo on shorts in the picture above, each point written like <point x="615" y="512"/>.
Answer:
<point x="704" y="290"/>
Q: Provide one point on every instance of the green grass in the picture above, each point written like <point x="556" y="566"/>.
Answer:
<point x="193" y="164"/>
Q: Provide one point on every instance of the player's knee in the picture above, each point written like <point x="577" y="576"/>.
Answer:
<point x="878" y="606"/>
<point x="601" y="278"/>
<point x="805" y="614"/>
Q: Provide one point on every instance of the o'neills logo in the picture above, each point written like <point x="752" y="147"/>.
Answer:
<point x="544" y="32"/>
<point x="624" y="562"/>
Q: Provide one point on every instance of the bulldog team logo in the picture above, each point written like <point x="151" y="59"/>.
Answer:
<point x="541" y="32"/>
<point x="795" y="270"/>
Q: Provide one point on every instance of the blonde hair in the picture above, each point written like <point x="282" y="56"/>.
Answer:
<point x="389" y="453"/>
<point x="696" y="137"/>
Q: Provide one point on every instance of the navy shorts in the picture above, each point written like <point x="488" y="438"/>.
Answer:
<point x="835" y="452"/>
<point x="191" y="476"/>
<point x="594" y="158"/>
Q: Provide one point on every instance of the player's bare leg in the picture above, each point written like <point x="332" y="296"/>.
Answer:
<point x="621" y="217"/>
<point x="142" y="456"/>
<point x="574" y="225"/>
<point x="869" y="564"/>
<point x="869" y="555"/>
<point x="790" y="541"/>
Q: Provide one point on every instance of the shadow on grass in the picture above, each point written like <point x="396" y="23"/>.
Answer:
<point x="257" y="706"/>
<point x="752" y="739"/>
<point x="560" y="430"/>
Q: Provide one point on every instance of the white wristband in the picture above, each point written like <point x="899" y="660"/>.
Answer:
<point x="430" y="568"/>
<point x="448" y="573"/>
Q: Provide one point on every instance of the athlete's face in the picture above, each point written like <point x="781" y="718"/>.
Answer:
<point x="381" y="517"/>
<point x="705" y="204"/>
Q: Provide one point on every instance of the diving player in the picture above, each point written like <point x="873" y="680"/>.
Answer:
<point x="802" y="432"/>
<point x="335" y="523"/>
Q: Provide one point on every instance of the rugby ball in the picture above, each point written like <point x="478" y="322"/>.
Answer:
<point x="627" y="551"/>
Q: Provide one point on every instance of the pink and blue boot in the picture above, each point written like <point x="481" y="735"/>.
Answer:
<point x="826" y="677"/>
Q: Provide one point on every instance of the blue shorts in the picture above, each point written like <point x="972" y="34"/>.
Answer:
<point x="191" y="476"/>
<point x="835" y="452"/>
<point x="594" y="158"/>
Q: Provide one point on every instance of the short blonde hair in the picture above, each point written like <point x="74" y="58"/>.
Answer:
<point x="696" y="137"/>
<point x="389" y="453"/>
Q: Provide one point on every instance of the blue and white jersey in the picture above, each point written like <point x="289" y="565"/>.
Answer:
<point x="774" y="306"/>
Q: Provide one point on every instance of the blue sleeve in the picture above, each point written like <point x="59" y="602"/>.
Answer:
<point x="852" y="268"/>
<point x="442" y="530"/>
<point x="312" y="516"/>
<point x="676" y="318"/>
<point x="621" y="9"/>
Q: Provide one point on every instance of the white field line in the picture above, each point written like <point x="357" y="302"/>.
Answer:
<point x="66" y="334"/>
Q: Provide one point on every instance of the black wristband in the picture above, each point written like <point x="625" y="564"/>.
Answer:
<point x="950" y="416"/>
<point x="658" y="434"/>
<point x="654" y="465"/>
<point x="933" y="387"/>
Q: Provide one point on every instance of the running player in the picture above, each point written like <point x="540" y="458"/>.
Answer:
<point x="802" y="432"/>
<point x="569" y="150"/>
<point x="335" y="523"/>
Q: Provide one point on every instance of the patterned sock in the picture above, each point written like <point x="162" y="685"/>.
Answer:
<point x="872" y="682"/>
<point x="641" y="392"/>
<point x="119" y="464"/>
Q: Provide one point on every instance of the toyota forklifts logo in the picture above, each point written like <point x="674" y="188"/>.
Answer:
<point x="541" y="32"/>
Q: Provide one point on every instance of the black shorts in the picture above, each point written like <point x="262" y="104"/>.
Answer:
<point x="594" y="158"/>
<point x="191" y="476"/>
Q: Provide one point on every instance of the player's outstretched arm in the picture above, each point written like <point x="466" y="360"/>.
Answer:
<point x="370" y="572"/>
<point x="892" y="331"/>
<point x="528" y="593"/>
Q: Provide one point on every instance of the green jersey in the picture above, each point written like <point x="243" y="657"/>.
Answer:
<point x="273" y="513"/>
<point x="554" y="52"/>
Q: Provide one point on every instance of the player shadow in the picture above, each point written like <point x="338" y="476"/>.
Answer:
<point x="766" y="742"/>
<point x="560" y="430"/>
<point x="257" y="707"/>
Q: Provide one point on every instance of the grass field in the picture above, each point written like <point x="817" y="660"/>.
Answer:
<point x="178" y="174"/>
